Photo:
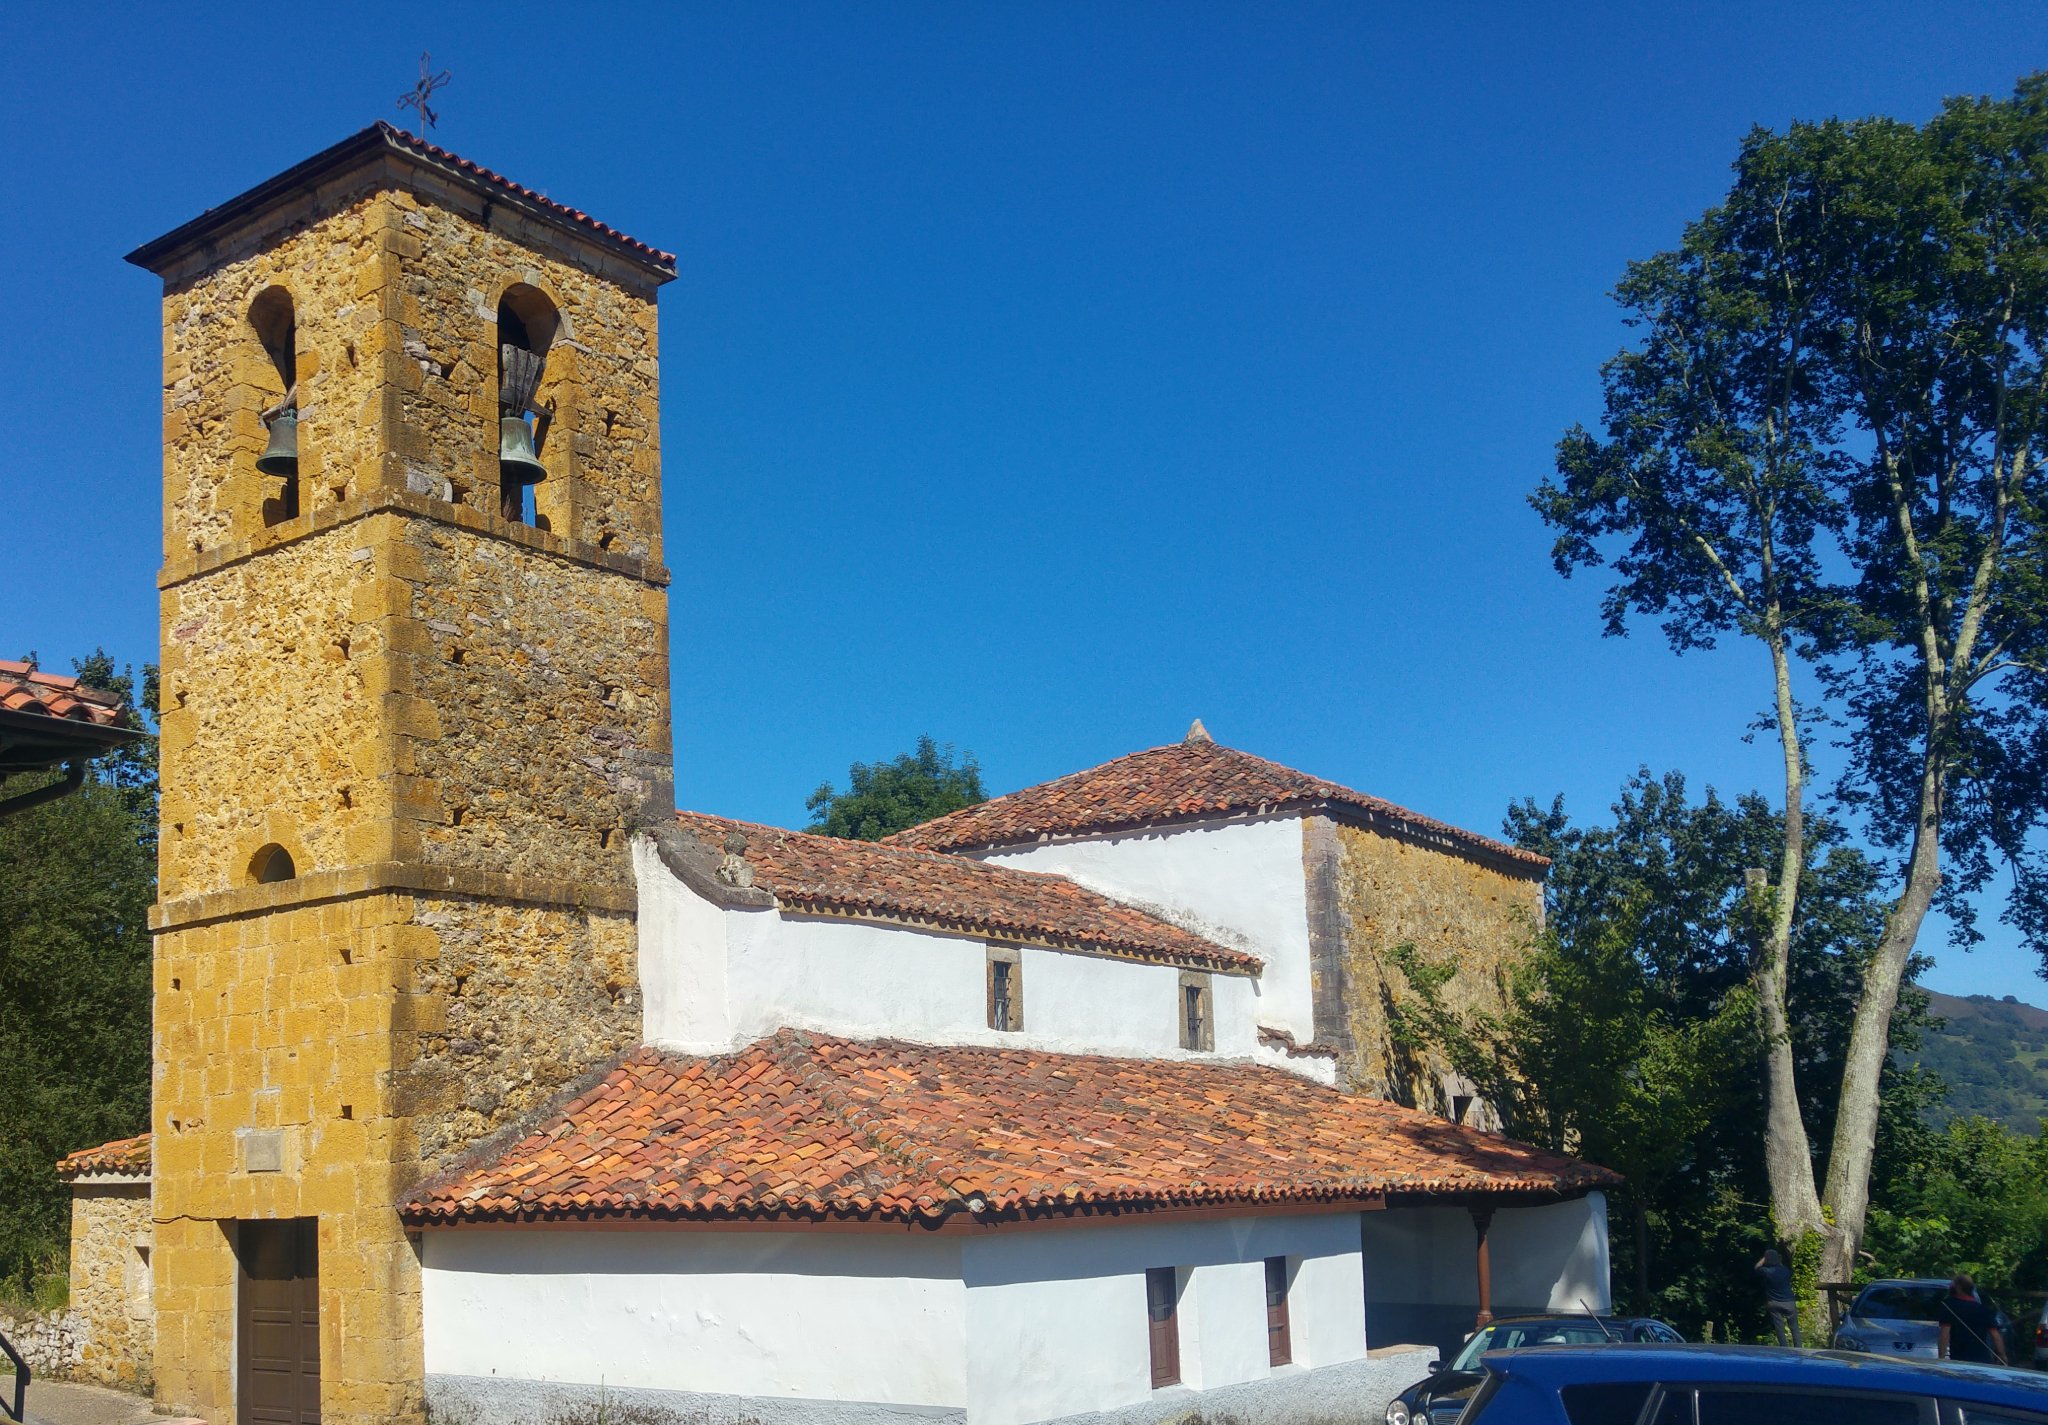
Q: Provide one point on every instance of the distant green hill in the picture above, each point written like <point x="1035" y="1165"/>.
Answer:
<point x="1993" y="1055"/>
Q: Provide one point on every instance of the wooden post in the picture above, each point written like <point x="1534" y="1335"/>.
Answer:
<point x="1482" y="1219"/>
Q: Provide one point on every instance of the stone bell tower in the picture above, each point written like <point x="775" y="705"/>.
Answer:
<point x="413" y="701"/>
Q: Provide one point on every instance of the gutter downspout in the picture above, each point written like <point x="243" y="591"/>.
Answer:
<point x="74" y="778"/>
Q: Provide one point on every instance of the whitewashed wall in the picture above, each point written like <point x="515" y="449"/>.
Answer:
<point x="1009" y="1327"/>
<point x="1241" y="883"/>
<point x="713" y="979"/>
<point x="1056" y="1320"/>
<point x="1421" y="1269"/>
<point x="769" y="1315"/>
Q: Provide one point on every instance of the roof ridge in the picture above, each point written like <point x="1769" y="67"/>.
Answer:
<point x="983" y="819"/>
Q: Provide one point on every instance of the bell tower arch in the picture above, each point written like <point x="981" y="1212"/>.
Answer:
<point x="405" y="728"/>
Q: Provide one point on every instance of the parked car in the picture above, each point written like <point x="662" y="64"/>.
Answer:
<point x="1746" y="1385"/>
<point x="1439" y="1397"/>
<point x="1903" y="1318"/>
<point x="2041" y="1340"/>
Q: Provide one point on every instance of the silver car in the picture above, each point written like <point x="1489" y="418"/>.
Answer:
<point x="1903" y="1318"/>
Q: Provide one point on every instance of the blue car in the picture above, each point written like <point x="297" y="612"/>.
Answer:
<point x="1745" y="1385"/>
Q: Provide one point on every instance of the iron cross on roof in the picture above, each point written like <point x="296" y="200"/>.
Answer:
<point x="416" y="97"/>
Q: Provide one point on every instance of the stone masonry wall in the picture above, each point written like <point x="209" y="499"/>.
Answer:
<point x="449" y="720"/>
<point x="272" y="714"/>
<point x="602" y="449"/>
<point x="110" y="1284"/>
<point x="1374" y="890"/>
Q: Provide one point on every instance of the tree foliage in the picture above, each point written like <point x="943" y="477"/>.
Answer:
<point x="77" y="877"/>
<point x="1630" y="1036"/>
<point x="1827" y="438"/>
<point x="882" y="798"/>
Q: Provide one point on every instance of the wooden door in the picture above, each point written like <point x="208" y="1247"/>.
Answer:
<point x="278" y="1380"/>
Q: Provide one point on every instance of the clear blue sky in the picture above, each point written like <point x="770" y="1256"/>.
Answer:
<point x="1039" y="377"/>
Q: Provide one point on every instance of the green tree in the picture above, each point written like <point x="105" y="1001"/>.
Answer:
<point x="882" y="798"/>
<point x="77" y="877"/>
<point x="1629" y="1037"/>
<point x="1826" y="441"/>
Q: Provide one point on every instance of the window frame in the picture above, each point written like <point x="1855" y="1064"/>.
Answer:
<point x="1012" y="957"/>
<point x="1162" y="1332"/>
<point x="1199" y="1039"/>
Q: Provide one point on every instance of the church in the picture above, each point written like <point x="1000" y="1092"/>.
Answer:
<point x="491" y="1087"/>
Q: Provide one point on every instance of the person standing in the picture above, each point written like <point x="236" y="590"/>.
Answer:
<point x="1969" y="1327"/>
<point x="1779" y="1301"/>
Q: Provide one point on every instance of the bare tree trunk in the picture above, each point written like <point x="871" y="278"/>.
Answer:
<point x="1855" y="1145"/>
<point x="1788" y="1153"/>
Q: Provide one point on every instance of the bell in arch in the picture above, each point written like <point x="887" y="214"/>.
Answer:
<point x="516" y="458"/>
<point x="281" y="453"/>
<point x="519" y="378"/>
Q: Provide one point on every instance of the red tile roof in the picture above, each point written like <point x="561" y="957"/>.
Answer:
<point x="25" y="688"/>
<point x="400" y="137"/>
<point x="1182" y="781"/>
<point x="363" y="147"/>
<point x="829" y="876"/>
<point x="124" y="1157"/>
<point x="811" y="1126"/>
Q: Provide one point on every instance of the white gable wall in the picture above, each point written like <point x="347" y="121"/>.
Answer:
<point x="1241" y="882"/>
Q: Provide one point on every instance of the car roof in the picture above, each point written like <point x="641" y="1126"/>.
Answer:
<point x="1769" y="1365"/>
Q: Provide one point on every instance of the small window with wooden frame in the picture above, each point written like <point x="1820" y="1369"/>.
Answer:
<point x="1162" y="1322"/>
<point x="1279" y="1330"/>
<point x="1196" y="1009"/>
<point x="1005" y="988"/>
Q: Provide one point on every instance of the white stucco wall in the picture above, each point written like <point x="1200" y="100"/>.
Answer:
<point x="1241" y="883"/>
<point x="713" y="979"/>
<point x="817" y="1315"/>
<point x="1543" y="1258"/>
<point x="1056" y="1320"/>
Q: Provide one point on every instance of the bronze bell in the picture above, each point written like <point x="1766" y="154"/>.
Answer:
<point x="516" y="458"/>
<point x="281" y="455"/>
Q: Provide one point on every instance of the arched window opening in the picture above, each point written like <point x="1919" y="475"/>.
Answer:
<point x="275" y="322"/>
<point x="526" y="328"/>
<point x="271" y="863"/>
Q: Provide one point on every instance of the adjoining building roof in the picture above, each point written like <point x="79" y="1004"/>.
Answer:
<point x="1184" y="781"/>
<point x="813" y="1127"/>
<point x="123" y="1158"/>
<point x="46" y="718"/>
<point x="382" y="140"/>
<point x="826" y="875"/>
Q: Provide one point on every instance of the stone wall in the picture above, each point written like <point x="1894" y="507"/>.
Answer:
<point x="449" y="719"/>
<point x="1374" y="889"/>
<point x="111" y="1296"/>
<point x="51" y="1344"/>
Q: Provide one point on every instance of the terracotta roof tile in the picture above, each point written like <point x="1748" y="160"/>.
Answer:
<point x="813" y="1126"/>
<point x="830" y="876"/>
<point x="24" y="688"/>
<point x="1182" y="781"/>
<point x="124" y="1157"/>
<point x="393" y="134"/>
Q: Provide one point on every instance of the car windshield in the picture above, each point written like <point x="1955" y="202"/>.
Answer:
<point x="1511" y="1335"/>
<point x="1898" y="1303"/>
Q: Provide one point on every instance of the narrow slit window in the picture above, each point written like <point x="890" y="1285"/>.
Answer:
<point x="1162" y="1321"/>
<point x="1197" y="1021"/>
<point x="1279" y="1332"/>
<point x="1005" y="990"/>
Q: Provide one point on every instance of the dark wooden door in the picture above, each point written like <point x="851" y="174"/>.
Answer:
<point x="279" y="1327"/>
